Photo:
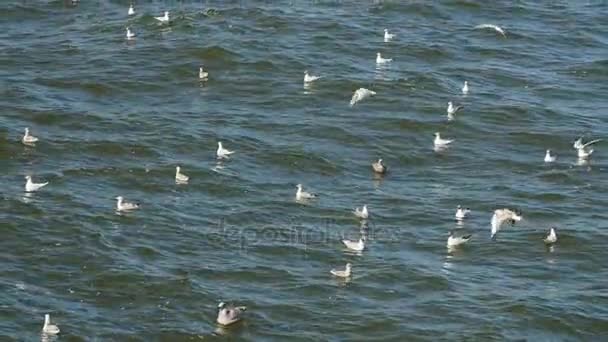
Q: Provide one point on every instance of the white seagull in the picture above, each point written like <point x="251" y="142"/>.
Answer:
<point x="121" y="205"/>
<point x="27" y="138"/>
<point x="222" y="153"/>
<point x="388" y="36"/>
<point x="453" y="109"/>
<point x="491" y="26"/>
<point x="439" y="142"/>
<point x="130" y="35"/>
<point x="551" y="236"/>
<point x="342" y="273"/>
<point x="31" y="186"/>
<point x="361" y="94"/>
<point x="549" y="158"/>
<point x="461" y="213"/>
<point x="354" y="245"/>
<point x="362" y="213"/>
<point x="228" y="314"/>
<point x="202" y="74"/>
<point x="582" y="150"/>
<point x="164" y="18"/>
<point x="180" y="177"/>
<point x="131" y="10"/>
<point x="380" y="60"/>
<point x="501" y="216"/>
<point x="310" y="78"/>
<point x="465" y="88"/>
<point x="48" y="328"/>
<point x="379" y="167"/>
<point x="303" y="195"/>
<point x="454" y="241"/>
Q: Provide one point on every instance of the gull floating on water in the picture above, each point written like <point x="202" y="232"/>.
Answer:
<point x="454" y="241"/>
<point x="180" y="177"/>
<point x="461" y="213"/>
<point x="131" y="10"/>
<point x="380" y="60"/>
<point x="202" y="74"/>
<point x="453" y="109"/>
<point x="362" y="213"/>
<point x="439" y="142"/>
<point x="379" y="167"/>
<point x="164" y="18"/>
<point x="582" y="150"/>
<point x="31" y="186"/>
<point x="310" y="78"/>
<point x="501" y="216"/>
<point x="465" y="88"/>
<point x="491" y="26"/>
<point x="48" y="328"/>
<point x="361" y="94"/>
<point x="342" y="273"/>
<point x="354" y="245"/>
<point x="130" y="35"/>
<point x="549" y="158"/>
<point x="303" y="195"/>
<point x="551" y="236"/>
<point x="121" y="205"/>
<point x="229" y="314"/>
<point x="27" y="138"/>
<point x="388" y="36"/>
<point x="222" y="153"/>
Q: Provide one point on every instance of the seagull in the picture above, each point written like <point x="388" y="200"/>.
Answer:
<point x="180" y="177"/>
<point x="228" y="314"/>
<point x="202" y="74"/>
<point x="310" y="78"/>
<point x="452" y="110"/>
<point x="362" y="213"/>
<point x="354" y="245"/>
<point x="164" y="18"/>
<point x="125" y="206"/>
<point x="343" y="274"/>
<point x="48" y="328"/>
<point x="551" y="236"/>
<point x="380" y="60"/>
<point x="465" y="88"/>
<point x="27" y="138"/>
<point x="439" y="142"/>
<point x="583" y="151"/>
<point x="461" y="213"/>
<point x="131" y="10"/>
<point x="550" y="158"/>
<point x="454" y="241"/>
<point x="501" y="216"/>
<point x="130" y="35"/>
<point x="361" y="94"/>
<point x="31" y="186"/>
<point x="303" y="195"/>
<point x="388" y="36"/>
<point x="222" y="153"/>
<point x="494" y="27"/>
<point x="379" y="167"/>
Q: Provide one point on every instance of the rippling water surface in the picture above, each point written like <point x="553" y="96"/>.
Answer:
<point x="116" y="117"/>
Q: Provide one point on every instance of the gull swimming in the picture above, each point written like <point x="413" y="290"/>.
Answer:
<point x="380" y="60"/>
<point x="501" y="216"/>
<point x="551" y="236"/>
<point x="27" y="138"/>
<point x="164" y="18"/>
<point x="465" y="88"/>
<point x="461" y="213"/>
<point x="310" y="78"/>
<point x="361" y="94"/>
<point x="454" y="241"/>
<point x="354" y="245"/>
<point x="439" y="142"/>
<point x="582" y="150"/>
<point x="303" y="195"/>
<point x="31" y="186"/>
<point x="229" y="314"/>
<point x="491" y="26"/>
<point x="180" y="177"/>
<point x="388" y="36"/>
<point x="48" y="328"/>
<point x="130" y="35"/>
<point x="202" y="74"/>
<point x="343" y="273"/>
<point x="131" y="10"/>
<point x="362" y="213"/>
<point x="550" y="158"/>
<point x="121" y="205"/>
<point x="222" y="153"/>
<point x="453" y="109"/>
<point x="379" y="167"/>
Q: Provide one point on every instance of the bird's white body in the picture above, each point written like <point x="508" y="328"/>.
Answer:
<point x="228" y="314"/>
<point x="439" y="142"/>
<point x="462" y="213"/>
<point x="379" y="167"/>
<point x="303" y="195"/>
<point x="342" y="273"/>
<point x="551" y="237"/>
<point x="388" y="36"/>
<point x="493" y="27"/>
<point x="381" y="60"/>
<point x="164" y="18"/>
<point x="361" y="94"/>
<point x="180" y="177"/>
<point x="310" y="78"/>
<point x="121" y="205"/>
<point x="48" y="328"/>
<point x="454" y="241"/>
<point x="501" y="216"/>
<point x="354" y="245"/>
<point x="202" y="74"/>
<point x="131" y="10"/>
<point x="549" y="158"/>
<point x="222" y="153"/>
<point x="453" y="109"/>
<point x="30" y="186"/>
<point x="362" y="213"/>
<point x="465" y="88"/>
<point x="27" y="138"/>
<point x="130" y="34"/>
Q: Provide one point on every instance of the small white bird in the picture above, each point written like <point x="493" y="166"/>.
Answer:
<point x="27" y="138"/>
<point x="303" y="195"/>
<point x="582" y="150"/>
<point x="501" y="216"/>
<point x="342" y="273"/>
<point x="439" y="142"/>
<point x="121" y="205"/>
<point x="131" y="10"/>
<point x="130" y="35"/>
<point x="31" y="186"/>
<point x="549" y="158"/>
<point x="453" y="109"/>
<point x="551" y="236"/>
<point x="454" y="241"/>
<point x="361" y="94"/>
<point x="48" y="328"/>
<point x="180" y="177"/>
<point x="461" y="213"/>
<point x="380" y="60"/>
<point x="388" y="36"/>
<point x="228" y="314"/>
<point x="354" y="245"/>
<point x="164" y="18"/>
<point x="222" y="153"/>
<point x="202" y="74"/>
<point x="379" y="167"/>
<point x="491" y="26"/>
<point x="465" y="88"/>
<point x="310" y="78"/>
<point x="362" y="213"/>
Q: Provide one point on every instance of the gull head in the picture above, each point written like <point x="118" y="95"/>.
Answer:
<point x="349" y="266"/>
<point x="450" y="103"/>
<point x="177" y="168"/>
<point x="385" y="30"/>
<point x="305" y="72"/>
<point x="221" y="305"/>
<point x="378" y="54"/>
<point x="380" y="161"/>
<point x="436" y="134"/>
<point x="28" y="177"/>
<point x="299" y="186"/>
<point x="548" y="151"/>
<point x="466" y="83"/>
<point x="27" y="130"/>
<point x="219" y="144"/>
<point x="119" y="198"/>
<point x="166" y="13"/>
